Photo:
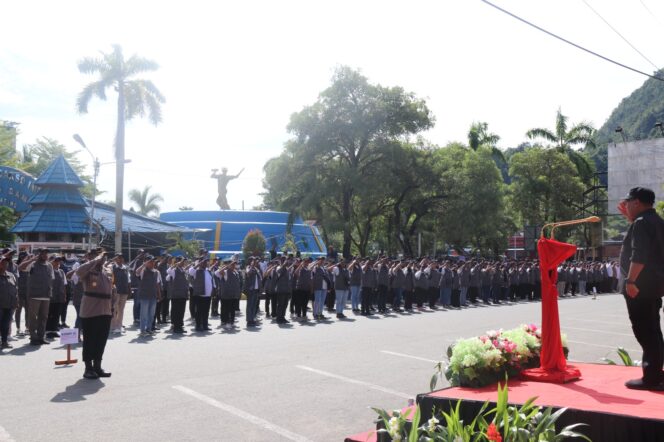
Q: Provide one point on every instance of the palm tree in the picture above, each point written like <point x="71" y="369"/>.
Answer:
<point x="479" y="136"/>
<point x="135" y="97"/>
<point x="563" y="140"/>
<point x="146" y="203"/>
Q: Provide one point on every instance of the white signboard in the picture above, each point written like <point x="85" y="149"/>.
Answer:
<point x="68" y="336"/>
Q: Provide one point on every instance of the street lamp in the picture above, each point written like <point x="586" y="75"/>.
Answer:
<point x="95" y="165"/>
<point x="620" y="130"/>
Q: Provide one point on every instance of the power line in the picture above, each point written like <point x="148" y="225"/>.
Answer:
<point x="649" y="11"/>
<point x="571" y="43"/>
<point x="620" y="35"/>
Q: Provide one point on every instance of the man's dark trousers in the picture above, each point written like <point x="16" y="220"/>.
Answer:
<point x="644" y="316"/>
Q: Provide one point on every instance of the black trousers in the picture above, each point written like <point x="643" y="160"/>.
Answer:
<point x="178" y="307"/>
<point x="202" y="311"/>
<point x="5" y="323"/>
<point x="282" y="304"/>
<point x="227" y="311"/>
<point x="473" y="293"/>
<point x="300" y="301"/>
<point x="165" y="303"/>
<point x="434" y="294"/>
<point x="214" y="304"/>
<point x="268" y="299"/>
<point x="53" y="320"/>
<point x="367" y="294"/>
<point x="420" y="296"/>
<point x="408" y="299"/>
<point x="63" y="306"/>
<point x="456" y="293"/>
<point x="330" y="299"/>
<point x="644" y="316"/>
<point x="382" y="298"/>
<point x="95" y="335"/>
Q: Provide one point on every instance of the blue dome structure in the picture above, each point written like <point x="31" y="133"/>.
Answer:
<point x="222" y="231"/>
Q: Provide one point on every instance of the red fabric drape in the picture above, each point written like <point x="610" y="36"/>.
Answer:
<point x="551" y="254"/>
<point x="553" y="366"/>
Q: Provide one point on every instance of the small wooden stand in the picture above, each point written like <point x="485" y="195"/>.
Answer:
<point x="69" y="360"/>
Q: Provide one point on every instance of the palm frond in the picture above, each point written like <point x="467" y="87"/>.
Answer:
<point x="154" y="109"/>
<point x="90" y="65"/>
<point x="135" y="65"/>
<point x="134" y="101"/>
<point x="561" y="125"/>
<point x="97" y="88"/>
<point x="540" y="132"/>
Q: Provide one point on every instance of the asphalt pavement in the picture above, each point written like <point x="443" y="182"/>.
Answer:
<point x="302" y="382"/>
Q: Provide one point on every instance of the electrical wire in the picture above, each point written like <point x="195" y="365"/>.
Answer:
<point x="571" y="43"/>
<point x="649" y="11"/>
<point x="620" y="35"/>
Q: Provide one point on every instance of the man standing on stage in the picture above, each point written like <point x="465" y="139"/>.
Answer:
<point x="642" y="267"/>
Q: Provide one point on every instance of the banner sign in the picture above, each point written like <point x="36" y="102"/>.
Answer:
<point x="16" y="188"/>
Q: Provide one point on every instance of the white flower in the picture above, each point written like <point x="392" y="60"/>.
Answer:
<point x="432" y="423"/>
<point x="458" y="439"/>
<point x="469" y="360"/>
<point x="393" y="428"/>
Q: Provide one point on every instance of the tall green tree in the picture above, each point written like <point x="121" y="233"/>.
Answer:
<point x="545" y="186"/>
<point x="146" y="203"/>
<point x="564" y="138"/>
<point x="338" y="139"/>
<point x="8" y="155"/>
<point x="416" y="192"/>
<point x="473" y="212"/>
<point x="136" y="98"/>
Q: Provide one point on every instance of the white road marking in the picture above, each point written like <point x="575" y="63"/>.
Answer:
<point x="613" y="347"/>
<point x="357" y="382"/>
<point x="598" y="331"/>
<point x="243" y="415"/>
<point x="4" y="436"/>
<point x="394" y="353"/>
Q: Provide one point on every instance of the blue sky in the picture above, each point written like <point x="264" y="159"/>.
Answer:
<point x="234" y="72"/>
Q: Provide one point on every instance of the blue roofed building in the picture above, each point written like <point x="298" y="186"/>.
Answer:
<point x="57" y="210"/>
<point x="58" y="217"/>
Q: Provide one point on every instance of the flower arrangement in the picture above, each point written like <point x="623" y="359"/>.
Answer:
<point x="484" y="360"/>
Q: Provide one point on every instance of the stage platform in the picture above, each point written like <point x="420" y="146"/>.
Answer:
<point x="599" y="399"/>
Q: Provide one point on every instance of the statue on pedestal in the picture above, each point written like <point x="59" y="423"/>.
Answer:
<point x="222" y="182"/>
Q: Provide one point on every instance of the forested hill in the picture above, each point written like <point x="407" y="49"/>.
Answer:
<point x="636" y="114"/>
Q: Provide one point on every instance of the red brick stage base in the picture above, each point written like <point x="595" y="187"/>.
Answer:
<point x="599" y="399"/>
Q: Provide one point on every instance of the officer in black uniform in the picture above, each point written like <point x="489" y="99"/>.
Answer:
<point x="642" y="267"/>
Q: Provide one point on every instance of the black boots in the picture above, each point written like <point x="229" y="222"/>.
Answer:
<point x="89" y="371"/>
<point x="93" y="370"/>
<point x="99" y="371"/>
